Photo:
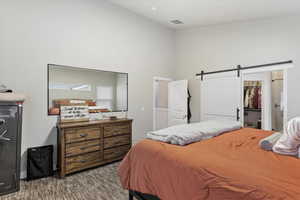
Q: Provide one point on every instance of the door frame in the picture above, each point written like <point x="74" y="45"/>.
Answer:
<point x="156" y="78"/>
<point x="284" y="68"/>
<point x="266" y="123"/>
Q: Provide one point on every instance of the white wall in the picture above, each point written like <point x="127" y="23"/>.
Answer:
<point x="247" y="43"/>
<point x="82" y="33"/>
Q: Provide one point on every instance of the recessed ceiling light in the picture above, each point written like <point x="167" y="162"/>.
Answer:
<point x="153" y="8"/>
<point x="176" y="21"/>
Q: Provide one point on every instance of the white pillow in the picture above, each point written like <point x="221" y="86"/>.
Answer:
<point x="289" y="142"/>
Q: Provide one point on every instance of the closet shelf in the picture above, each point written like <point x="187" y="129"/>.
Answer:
<point x="252" y="109"/>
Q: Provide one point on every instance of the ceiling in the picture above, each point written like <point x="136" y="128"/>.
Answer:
<point x="208" y="12"/>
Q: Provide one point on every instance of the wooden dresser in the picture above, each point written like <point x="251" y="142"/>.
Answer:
<point x="84" y="145"/>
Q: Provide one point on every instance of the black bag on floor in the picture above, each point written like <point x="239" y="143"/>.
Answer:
<point x="39" y="162"/>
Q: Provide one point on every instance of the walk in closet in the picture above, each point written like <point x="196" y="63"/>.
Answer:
<point x="253" y="104"/>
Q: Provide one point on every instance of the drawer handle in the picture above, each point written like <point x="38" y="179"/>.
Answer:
<point x="84" y="148"/>
<point x="82" y="161"/>
<point x="2" y="122"/>
<point x="123" y="141"/>
<point x="4" y="138"/>
<point x="83" y="135"/>
<point x="1" y="184"/>
<point x="119" y="142"/>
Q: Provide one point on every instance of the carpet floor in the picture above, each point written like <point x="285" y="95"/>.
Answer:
<point x="97" y="184"/>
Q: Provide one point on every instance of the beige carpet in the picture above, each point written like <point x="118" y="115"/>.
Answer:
<point x="97" y="184"/>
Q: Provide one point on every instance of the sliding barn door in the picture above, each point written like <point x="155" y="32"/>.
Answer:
<point x="221" y="96"/>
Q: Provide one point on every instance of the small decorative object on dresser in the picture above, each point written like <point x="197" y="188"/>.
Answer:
<point x="84" y="145"/>
<point x="74" y="113"/>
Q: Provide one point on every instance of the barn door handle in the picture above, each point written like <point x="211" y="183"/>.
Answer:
<point x="238" y="114"/>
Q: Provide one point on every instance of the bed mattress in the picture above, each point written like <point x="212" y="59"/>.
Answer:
<point x="228" y="167"/>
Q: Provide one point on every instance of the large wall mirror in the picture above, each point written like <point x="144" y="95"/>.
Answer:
<point x="102" y="90"/>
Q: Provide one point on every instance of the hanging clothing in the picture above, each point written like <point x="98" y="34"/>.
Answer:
<point x="252" y="102"/>
<point x="189" y="106"/>
<point x="256" y="97"/>
<point x="246" y="98"/>
<point x="259" y="98"/>
<point x="251" y="98"/>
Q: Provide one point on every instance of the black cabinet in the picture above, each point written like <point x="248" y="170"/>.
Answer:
<point x="10" y="146"/>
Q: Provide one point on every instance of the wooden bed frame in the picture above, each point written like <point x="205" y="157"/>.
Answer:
<point x="141" y="196"/>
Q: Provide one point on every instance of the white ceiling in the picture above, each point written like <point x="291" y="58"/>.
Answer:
<point x="208" y="12"/>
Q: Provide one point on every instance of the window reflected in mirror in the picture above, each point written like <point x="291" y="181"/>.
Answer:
<point x="102" y="91"/>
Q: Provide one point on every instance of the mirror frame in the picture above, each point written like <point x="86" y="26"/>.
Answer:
<point x="48" y="68"/>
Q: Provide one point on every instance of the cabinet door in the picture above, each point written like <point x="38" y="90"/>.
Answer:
<point x="8" y="148"/>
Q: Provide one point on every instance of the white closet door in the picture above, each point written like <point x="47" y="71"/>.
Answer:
<point x="177" y="100"/>
<point x="221" y="96"/>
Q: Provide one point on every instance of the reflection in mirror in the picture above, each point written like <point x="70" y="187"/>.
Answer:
<point x="103" y="91"/>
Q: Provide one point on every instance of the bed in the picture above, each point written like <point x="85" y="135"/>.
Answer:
<point x="228" y="167"/>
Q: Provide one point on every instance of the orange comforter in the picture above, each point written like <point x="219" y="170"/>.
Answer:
<point x="228" y="167"/>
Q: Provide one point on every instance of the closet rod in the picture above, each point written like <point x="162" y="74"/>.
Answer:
<point x="243" y="68"/>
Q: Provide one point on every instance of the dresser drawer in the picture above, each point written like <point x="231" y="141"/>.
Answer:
<point x="82" y="134"/>
<point x="116" y="141"/>
<point x="116" y="129"/>
<point x="83" y="161"/>
<point x="83" y="147"/>
<point x="117" y="152"/>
